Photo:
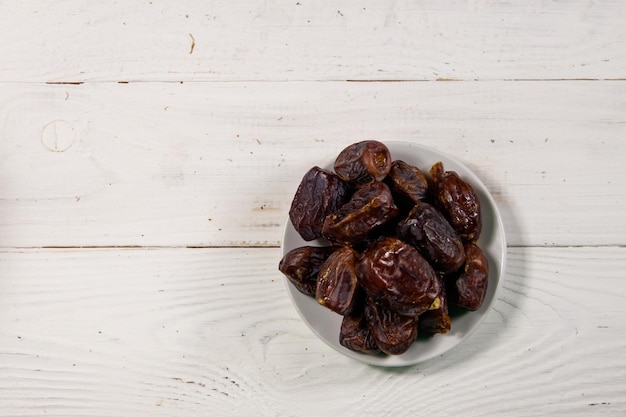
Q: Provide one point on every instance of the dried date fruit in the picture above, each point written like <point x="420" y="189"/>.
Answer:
<point x="429" y="231"/>
<point x="459" y="202"/>
<point x="436" y="321"/>
<point x="356" y="336"/>
<point x="408" y="181"/>
<point x="337" y="282"/>
<point x="370" y="206"/>
<point x="468" y="289"/>
<point x="395" y="274"/>
<point x="393" y="333"/>
<point x="363" y="161"/>
<point x="301" y="266"/>
<point x="319" y="194"/>
<point x="354" y="333"/>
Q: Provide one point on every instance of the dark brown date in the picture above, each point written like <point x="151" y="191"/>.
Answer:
<point x="408" y="181"/>
<point x="395" y="274"/>
<point x="370" y="206"/>
<point x="429" y="231"/>
<point x="363" y="161"/>
<point x="301" y="266"/>
<point x="319" y="194"/>
<point x="393" y="333"/>
<point x="468" y="289"/>
<point x="336" y="281"/>
<point x="459" y="202"/>
<point x="436" y="321"/>
<point x="355" y="335"/>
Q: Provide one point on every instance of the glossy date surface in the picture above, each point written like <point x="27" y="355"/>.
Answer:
<point x="301" y="266"/>
<point x="408" y="182"/>
<point x="458" y="201"/>
<point x="394" y="273"/>
<point x="319" y="194"/>
<point x="429" y="231"/>
<point x="393" y="333"/>
<point x="337" y="283"/>
<point x="468" y="290"/>
<point x="436" y="321"/>
<point x="363" y="161"/>
<point x="370" y="206"/>
<point x="355" y="334"/>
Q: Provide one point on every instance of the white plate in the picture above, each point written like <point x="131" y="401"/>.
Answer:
<point x="326" y="324"/>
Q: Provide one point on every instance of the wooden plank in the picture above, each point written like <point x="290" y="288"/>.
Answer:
<point x="70" y="41"/>
<point x="182" y="331"/>
<point x="216" y="164"/>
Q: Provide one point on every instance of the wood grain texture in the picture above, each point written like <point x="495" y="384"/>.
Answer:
<point x="196" y="331"/>
<point x="71" y="41"/>
<point x="170" y="136"/>
<point x="216" y="164"/>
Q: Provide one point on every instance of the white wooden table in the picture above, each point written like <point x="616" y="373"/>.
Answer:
<point x="149" y="151"/>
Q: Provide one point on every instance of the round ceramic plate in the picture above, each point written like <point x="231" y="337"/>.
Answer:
<point x="326" y="324"/>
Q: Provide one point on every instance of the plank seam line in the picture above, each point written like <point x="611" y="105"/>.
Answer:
<point x="350" y="80"/>
<point x="87" y="247"/>
<point x="157" y="247"/>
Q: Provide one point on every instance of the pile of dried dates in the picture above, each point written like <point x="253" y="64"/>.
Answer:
<point x="400" y="247"/>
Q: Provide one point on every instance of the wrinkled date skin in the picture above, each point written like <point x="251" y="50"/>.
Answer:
<point x="355" y="335"/>
<point x="468" y="290"/>
<point x="408" y="181"/>
<point x="429" y="231"/>
<point x="319" y="194"/>
<point x="363" y="161"/>
<point x="436" y="321"/>
<point x="301" y="266"/>
<point x="337" y="282"/>
<point x="371" y="206"/>
<point x="393" y="333"/>
<point x="395" y="274"/>
<point x="458" y="201"/>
